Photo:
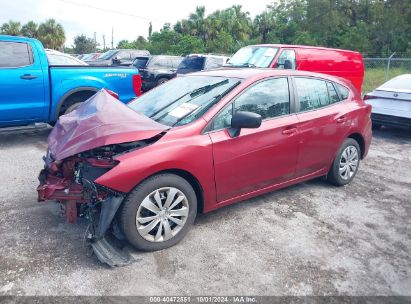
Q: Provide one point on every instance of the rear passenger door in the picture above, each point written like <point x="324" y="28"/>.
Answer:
<point x="323" y="123"/>
<point x="22" y="88"/>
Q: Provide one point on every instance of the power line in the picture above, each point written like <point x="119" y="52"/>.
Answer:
<point x="111" y="11"/>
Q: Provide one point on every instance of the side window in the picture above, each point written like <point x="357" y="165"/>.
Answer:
<point x="344" y="92"/>
<point x="286" y="60"/>
<point x="223" y="119"/>
<point x="333" y="93"/>
<point x="123" y="55"/>
<point x="312" y="93"/>
<point x="15" y="54"/>
<point x="269" y="98"/>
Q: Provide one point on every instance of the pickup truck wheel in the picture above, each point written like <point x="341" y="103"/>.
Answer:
<point x="72" y="107"/>
<point x="158" y="213"/>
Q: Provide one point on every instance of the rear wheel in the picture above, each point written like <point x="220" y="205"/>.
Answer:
<point x="159" y="212"/>
<point x="346" y="163"/>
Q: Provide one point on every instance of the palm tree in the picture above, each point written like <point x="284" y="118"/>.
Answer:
<point x="240" y="23"/>
<point x="30" y="29"/>
<point x="11" y="28"/>
<point x="264" y="24"/>
<point x="51" y="34"/>
<point x="197" y="24"/>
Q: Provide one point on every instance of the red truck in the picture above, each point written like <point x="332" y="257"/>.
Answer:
<point x="336" y="62"/>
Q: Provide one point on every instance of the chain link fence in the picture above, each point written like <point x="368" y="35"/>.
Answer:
<point x="378" y="70"/>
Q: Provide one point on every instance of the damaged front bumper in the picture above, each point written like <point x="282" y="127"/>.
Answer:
<point x="71" y="183"/>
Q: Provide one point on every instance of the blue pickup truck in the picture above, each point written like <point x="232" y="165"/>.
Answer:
<point x="33" y="91"/>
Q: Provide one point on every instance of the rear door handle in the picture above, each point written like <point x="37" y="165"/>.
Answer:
<point x="28" y="76"/>
<point x="341" y="119"/>
<point x="289" y="131"/>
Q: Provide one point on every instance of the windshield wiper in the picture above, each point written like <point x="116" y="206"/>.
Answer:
<point x="245" y="64"/>
<point x="205" y="89"/>
<point x="194" y="93"/>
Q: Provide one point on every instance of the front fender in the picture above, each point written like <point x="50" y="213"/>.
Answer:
<point x="192" y="155"/>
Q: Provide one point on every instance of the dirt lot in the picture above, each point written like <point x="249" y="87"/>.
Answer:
<point x="309" y="239"/>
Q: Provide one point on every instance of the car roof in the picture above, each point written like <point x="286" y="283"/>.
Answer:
<point x="245" y="73"/>
<point x="295" y="46"/>
<point x="17" y="38"/>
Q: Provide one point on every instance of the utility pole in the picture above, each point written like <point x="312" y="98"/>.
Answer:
<point x="112" y="38"/>
<point x="95" y="41"/>
<point x="104" y="42"/>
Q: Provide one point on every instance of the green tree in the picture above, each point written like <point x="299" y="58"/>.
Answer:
<point x="51" y="34"/>
<point x="197" y="23"/>
<point x="188" y="45"/>
<point x="30" y="29"/>
<point x="223" y="43"/>
<point x="12" y="28"/>
<point x="83" y="45"/>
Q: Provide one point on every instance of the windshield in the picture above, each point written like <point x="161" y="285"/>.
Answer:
<point x="253" y="56"/>
<point x="107" y="55"/>
<point x="140" y="62"/>
<point x="183" y="99"/>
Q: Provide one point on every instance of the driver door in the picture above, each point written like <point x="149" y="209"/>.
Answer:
<point x="261" y="157"/>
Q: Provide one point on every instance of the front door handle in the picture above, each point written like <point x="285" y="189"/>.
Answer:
<point x="28" y="76"/>
<point x="289" y="131"/>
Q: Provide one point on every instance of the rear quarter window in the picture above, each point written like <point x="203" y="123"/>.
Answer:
<point x="344" y="92"/>
<point x="15" y="54"/>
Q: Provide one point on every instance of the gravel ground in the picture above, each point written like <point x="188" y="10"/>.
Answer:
<point x="309" y="239"/>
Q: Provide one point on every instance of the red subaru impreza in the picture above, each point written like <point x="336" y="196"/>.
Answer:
<point x="197" y="143"/>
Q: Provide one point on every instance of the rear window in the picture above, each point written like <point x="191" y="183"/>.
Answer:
<point x="140" y="62"/>
<point x="397" y="83"/>
<point x="15" y="54"/>
<point x="192" y="63"/>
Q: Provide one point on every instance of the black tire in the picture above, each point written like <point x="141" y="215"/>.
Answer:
<point x="334" y="176"/>
<point x="128" y="211"/>
<point x="162" y="80"/>
<point x="376" y="126"/>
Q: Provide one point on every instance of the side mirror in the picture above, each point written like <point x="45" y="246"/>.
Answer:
<point x="244" y="119"/>
<point x="288" y="64"/>
<point x="116" y="59"/>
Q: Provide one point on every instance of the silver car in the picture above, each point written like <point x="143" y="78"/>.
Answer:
<point x="391" y="102"/>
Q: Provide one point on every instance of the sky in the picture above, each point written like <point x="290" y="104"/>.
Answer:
<point x="128" y="18"/>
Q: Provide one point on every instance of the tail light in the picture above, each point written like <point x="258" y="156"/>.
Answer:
<point x="114" y="94"/>
<point x="137" y="84"/>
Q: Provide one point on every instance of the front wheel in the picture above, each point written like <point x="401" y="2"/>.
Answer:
<point x="346" y="163"/>
<point x="159" y="212"/>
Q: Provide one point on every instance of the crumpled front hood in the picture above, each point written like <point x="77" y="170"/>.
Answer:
<point x="101" y="120"/>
